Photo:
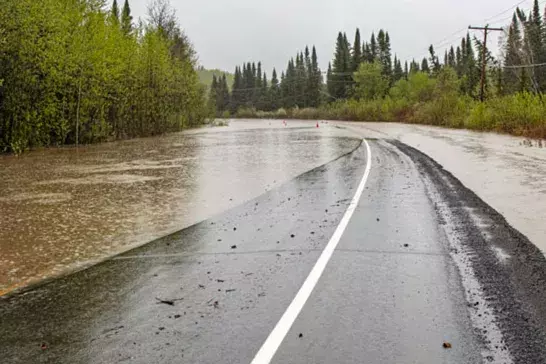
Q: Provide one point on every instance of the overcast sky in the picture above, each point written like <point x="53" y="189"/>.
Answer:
<point x="228" y="32"/>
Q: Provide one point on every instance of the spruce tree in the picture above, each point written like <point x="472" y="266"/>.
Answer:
<point x="537" y="45"/>
<point x="458" y="62"/>
<point x="274" y="93"/>
<point x="213" y="94"/>
<point x="330" y="82"/>
<point x="315" y="83"/>
<point x="225" y="93"/>
<point x="366" y="53"/>
<point x="114" y="13"/>
<point x="513" y="50"/>
<point x="414" y="66"/>
<point x="126" y="19"/>
<point x="373" y="49"/>
<point x="424" y="66"/>
<point x="406" y="70"/>
<point x="340" y="76"/>
<point x="357" y="52"/>
<point x="236" y="90"/>
<point x="433" y="60"/>
<point x="384" y="54"/>
<point x="398" y="72"/>
<point x="451" y="58"/>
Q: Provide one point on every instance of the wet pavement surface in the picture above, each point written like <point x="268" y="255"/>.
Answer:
<point x="509" y="173"/>
<point x="63" y="209"/>
<point x="426" y="272"/>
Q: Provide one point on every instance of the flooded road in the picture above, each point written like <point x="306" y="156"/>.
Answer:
<point x="383" y="254"/>
<point x="509" y="173"/>
<point x="66" y="208"/>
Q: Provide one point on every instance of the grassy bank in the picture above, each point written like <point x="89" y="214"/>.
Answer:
<point x="522" y="114"/>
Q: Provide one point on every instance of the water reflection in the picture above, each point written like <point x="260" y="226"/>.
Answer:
<point x="509" y="173"/>
<point x="64" y="208"/>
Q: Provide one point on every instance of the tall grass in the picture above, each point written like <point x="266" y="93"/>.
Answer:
<point x="519" y="114"/>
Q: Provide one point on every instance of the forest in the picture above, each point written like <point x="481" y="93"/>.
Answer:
<point x="75" y="71"/>
<point x="365" y="82"/>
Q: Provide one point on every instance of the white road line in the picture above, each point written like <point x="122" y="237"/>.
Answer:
<point x="275" y="338"/>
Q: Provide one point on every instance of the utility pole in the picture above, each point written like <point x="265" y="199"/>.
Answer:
<point x="484" y="52"/>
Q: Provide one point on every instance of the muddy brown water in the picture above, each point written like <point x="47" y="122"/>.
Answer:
<point x="62" y="209"/>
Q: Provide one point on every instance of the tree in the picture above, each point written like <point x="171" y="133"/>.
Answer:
<point x="357" y="52"/>
<point x="340" y="76"/>
<point x="424" y="66"/>
<point x="126" y="19"/>
<point x="274" y="92"/>
<point x="451" y="58"/>
<point x="434" y="62"/>
<point x="513" y="53"/>
<point x="72" y="76"/>
<point x="398" y="72"/>
<point x="384" y="55"/>
<point x="115" y="12"/>
<point x="315" y="81"/>
<point x="373" y="49"/>
<point x="371" y="83"/>
<point x="536" y="37"/>
<point x="459" y="62"/>
<point x="236" y="90"/>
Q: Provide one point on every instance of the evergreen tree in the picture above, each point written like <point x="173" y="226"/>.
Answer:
<point x="406" y="70"/>
<point x="384" y="55"/>
<point x="226" y="99"/>
<point x="357" y="52"/>
<point x="213" y="94"/>
<point x="471" y="73"/>
<point x="373" y="49"/>
<point x="257" y="96"/>
<point x="513" y="49"/>
<point x="434" y="62"/>
<point x="535" y="35"/>
<point x="126" y="19"/>
<point x="340" y="76"/>
<point x="367" y="53"/>
<point x="451" y="58"/>
<point x="330" y="81"/>
<point x="398" y="72"/>
<point x="274" y="92"/>
<point x="459" y="62"/>
<point x="236" y="101"/>
<point x="315" y="81"/>
<point x="424" y="66"/>
<point x="288" y="86"/>
<point x="114" y="14"/>
<point x="414" y="66"/>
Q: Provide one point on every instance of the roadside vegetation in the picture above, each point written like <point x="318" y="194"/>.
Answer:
<point x="74" y="71"/>
<point x="364" y="82"/>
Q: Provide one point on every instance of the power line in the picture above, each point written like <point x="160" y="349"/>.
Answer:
<point x="526" y="65"/>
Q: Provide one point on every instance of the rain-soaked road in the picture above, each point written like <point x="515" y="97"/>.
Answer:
<point x="310" y="271"/>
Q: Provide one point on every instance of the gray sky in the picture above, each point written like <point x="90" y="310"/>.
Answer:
<point x="228" y="32"/>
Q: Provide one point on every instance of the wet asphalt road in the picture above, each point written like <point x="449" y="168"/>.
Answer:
<point x="422" y="262"/>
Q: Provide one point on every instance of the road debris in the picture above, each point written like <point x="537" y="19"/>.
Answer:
<point x="447" y="345"/>
<point x="169" y="302"/>
<point x="234" y="247"/>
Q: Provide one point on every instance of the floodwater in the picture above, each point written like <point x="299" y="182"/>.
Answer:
<point x="508" y="173"/>
<point x="63" y="209"/>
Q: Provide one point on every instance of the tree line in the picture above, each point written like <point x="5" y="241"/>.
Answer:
<point x="366" y="69"/>
<point x="75" y="71"/>
<point x="300" y="85"/>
